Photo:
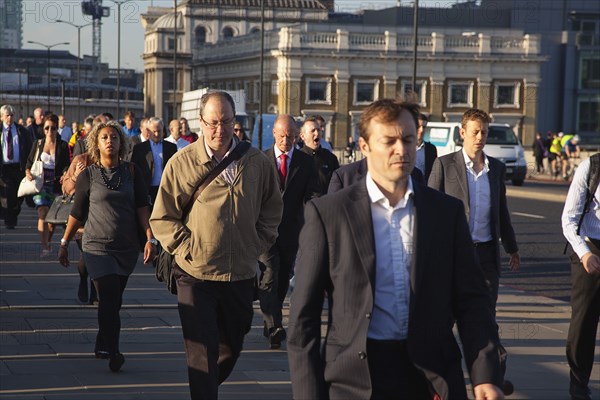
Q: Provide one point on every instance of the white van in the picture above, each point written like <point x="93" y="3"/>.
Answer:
<point x="502" y="143"/>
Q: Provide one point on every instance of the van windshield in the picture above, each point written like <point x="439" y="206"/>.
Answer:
<point x="436" y="136"/>
<point x="501" y="135"/>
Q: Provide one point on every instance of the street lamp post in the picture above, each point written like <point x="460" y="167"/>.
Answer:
<point x="119" y="3"/>
<point x="48" y="47"/>
<point x="78" y="62"/>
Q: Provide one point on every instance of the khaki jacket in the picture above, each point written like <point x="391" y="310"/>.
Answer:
<point x="228" y="226"/>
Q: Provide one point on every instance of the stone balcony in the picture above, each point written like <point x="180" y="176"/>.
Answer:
<point x="441" y="42"/>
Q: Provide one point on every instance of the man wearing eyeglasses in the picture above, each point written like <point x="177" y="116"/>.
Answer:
<point x="14" y="148"/>
<point x="426" y="152"/>
<point x="217" y="243"/>
<point x="298" y="182"/>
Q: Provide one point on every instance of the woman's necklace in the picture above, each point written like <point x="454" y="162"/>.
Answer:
<point x="105" y="178"/>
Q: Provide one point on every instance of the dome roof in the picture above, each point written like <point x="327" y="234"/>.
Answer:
<point x="167" y="21"/>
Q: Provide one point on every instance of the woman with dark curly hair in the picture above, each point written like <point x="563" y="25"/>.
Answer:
<point x="53" y="152"/>
<point x="112" y="199"/>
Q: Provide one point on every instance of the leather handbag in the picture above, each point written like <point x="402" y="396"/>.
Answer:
<point x="166" y="261"/>
<point x="27" y="187"/>
<point x="59" y="211"/>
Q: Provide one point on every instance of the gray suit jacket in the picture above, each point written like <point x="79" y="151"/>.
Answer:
<point x="449" y="175"/>
<point x="337" y="257"/>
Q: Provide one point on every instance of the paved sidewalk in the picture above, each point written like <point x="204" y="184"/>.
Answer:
<point x="47" y="338"/>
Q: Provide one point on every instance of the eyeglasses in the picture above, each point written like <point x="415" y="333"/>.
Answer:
<point x="214" y="125"/>
<point x="54" y="128"/>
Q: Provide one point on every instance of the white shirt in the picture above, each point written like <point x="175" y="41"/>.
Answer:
<point x="278" y="154"/>
<point x="420" y="161"/>
<point x="393" y="234"/>
<point x="180" y="143"/>
<point x="15" y="140"/>
<point x="590" y="226"/>
<point x="157" y="154"/>
<point x="480" y="203"/>
<point x="228" y="173"/>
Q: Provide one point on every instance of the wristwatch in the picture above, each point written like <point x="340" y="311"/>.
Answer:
<point x="153" y="242"/>
<point x="63" y="243"/>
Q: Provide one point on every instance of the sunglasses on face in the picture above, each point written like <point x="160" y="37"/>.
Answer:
<point x="54" y="128"/>
<point x="237" y="130"/>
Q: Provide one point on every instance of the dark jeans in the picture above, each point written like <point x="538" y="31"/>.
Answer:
<point x="9" y="185"/>
<point x="392" y="373"/>
<point x="215" y="317"/>
<point x="276" y="265"/>
<point x="110" y="290"/>
<point x="585" y="314"/>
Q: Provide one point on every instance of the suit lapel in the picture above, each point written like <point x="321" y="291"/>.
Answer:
<point x="461" y="177"/>
<point x="292" y="170"/>
<point x="358" y="215"/>
<point x="494" y="195"/>
<point x="422" y="222"/>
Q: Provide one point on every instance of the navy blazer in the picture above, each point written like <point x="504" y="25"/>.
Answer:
<point x="337" y="257"/>
<point x="449" y="175"/>
<point x="24" y="146"/>
<point x="143" y="158"/>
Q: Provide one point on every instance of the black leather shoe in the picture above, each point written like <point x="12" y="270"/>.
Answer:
<point x="116" y="361"/>
<point x="579" y="392"/>
<point x="508" y="388"/>
<point x="276" y="336"/>
<point x="82" y="292"/>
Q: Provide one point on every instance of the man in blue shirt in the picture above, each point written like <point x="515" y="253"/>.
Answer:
<point x="130" y="128"/>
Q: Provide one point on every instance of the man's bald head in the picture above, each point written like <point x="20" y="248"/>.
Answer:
<point x="285" y="132"/>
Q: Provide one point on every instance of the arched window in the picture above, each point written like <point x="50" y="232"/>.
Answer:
<point x="200" y="35"/>
<point x="227" y="33"/>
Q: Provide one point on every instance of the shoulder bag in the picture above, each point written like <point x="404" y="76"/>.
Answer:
<point x="165" y="260"/>
<point x="27" y="187"/>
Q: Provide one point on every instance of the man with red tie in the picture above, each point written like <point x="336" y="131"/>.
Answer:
<point x="298" y="184"/>
<point x="14" y="148"/>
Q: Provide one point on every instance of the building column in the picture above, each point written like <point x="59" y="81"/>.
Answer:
<point x="288" y="99"/>
<point x="342" y="123"/>
<point x="390" y="90"/>
<point x="483" y="95"/>
<point x="530" y="96"/>
<point x="436" y="100"/>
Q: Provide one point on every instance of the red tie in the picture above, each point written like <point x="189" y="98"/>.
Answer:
<point x="9" y="144"/>
<point x="283" y="169"/>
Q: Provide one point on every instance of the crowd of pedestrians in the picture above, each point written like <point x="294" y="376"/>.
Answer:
<point x="358" y="236"/>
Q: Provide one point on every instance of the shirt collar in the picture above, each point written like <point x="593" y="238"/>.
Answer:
<point x="377" y="196"/>
<point x="211" y="153"/>
<point x="278" y="152"/>
<point x="154" y="144"/>
<point x="419" y="147"/>
<point x="469" y="162"/>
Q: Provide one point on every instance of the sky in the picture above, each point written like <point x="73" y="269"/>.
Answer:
<point x="39" y="24"/>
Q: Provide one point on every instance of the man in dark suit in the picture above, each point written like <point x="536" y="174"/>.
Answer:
<point x="398" y="267"/>
<point x="15" y="145"/>
<point x="137" y="139"/>
<point x="325" y="161"/>
<point x="426" y="152"/>
<point x="152" y="155"/>
<point x="351" y="173"/>
<point x="298" y="184"/>
<point x="478" y="181"/>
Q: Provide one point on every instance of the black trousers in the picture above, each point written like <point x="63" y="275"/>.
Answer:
<point x="215" y="317"/>
<point x="276" y="265"/>
<point x="9" y="185"/>
<point x="110" y="290"/>
<point x="488" y="259"/>
<point x="393" y="375"/>
<point x="585" y="315"/>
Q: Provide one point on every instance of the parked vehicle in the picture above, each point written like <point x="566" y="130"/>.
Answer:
<point x="502" y="143"/>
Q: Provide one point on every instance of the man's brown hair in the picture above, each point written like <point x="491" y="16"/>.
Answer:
<point x="474" y="114"/>
<point x="386" y="110"/>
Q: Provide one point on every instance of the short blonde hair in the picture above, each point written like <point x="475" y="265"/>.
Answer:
<point x="91" y="140"/>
